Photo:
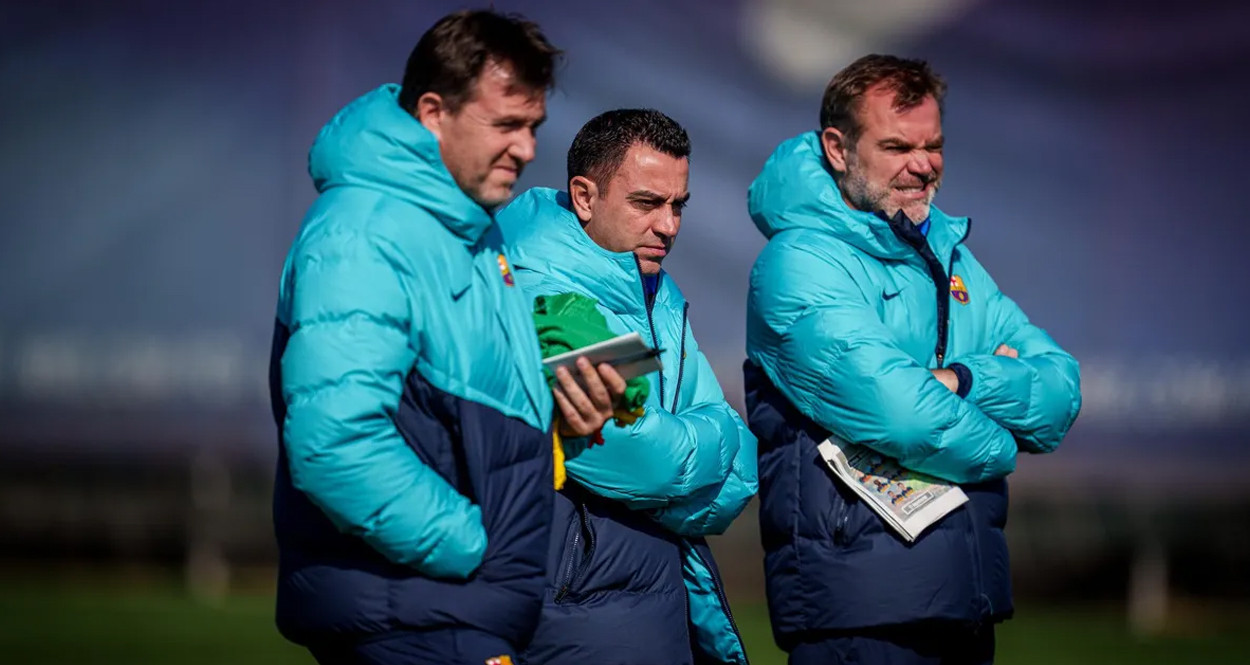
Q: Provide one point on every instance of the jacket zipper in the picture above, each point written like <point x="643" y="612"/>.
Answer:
<point x="942" y="283"/>
<point x="724" y="601"/>
<point x="982" y="600"/>
<point x="567" y="577"/>
<point x="648" y="302"/>
<point x="681" y="371"/>
<point x="939" y="275"/>
<point x="943" y="291"/>
<point x="950" y="270"/>
<point x="681" y="362"/>
<point x="572" y="572"/>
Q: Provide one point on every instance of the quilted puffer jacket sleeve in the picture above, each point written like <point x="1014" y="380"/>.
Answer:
<point x="661" y="457"/>
<point x="710" y="511"/>
<point x="1038" y="395"/>
<point x="343" y="371"/>
<point x="830" y="354"/>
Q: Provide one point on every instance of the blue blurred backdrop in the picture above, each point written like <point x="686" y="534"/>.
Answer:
<point x="152" y="176"/>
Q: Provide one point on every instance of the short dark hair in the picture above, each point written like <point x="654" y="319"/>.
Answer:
<point x="601" y="145"/>
<point x="451" y="54"/>
<point x="910" y="81"/>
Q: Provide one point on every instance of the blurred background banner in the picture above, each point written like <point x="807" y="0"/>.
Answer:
<point x="153" y="174"/>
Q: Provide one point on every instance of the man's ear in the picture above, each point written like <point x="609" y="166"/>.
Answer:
<point x="836" y="148"/>
<point x="430" y="111"/>
<point x="582" y="192"/>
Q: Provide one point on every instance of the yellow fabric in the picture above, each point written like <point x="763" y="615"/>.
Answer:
<point x="557" y="451"/>
<point x="622" y="418"/>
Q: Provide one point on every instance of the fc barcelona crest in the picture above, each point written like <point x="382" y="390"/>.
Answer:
<point x="958" y="291"/>
<point x="505" y="271"/>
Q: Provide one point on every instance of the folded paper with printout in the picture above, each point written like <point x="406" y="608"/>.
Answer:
<point x="909" y="501"/>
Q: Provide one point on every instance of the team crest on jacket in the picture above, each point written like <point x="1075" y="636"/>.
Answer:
<point x="505" y="659"/>
<point x="958" y="290"/>
<point x="507" y="279"/>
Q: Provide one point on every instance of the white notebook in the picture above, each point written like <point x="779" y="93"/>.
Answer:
<point x="627" y="353"/>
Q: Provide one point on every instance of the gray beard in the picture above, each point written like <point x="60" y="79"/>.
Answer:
<point x="856" y="189"/>
<point x="863" y="196"/>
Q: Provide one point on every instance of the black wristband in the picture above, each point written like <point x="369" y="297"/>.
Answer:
<point x="964" y="375"/>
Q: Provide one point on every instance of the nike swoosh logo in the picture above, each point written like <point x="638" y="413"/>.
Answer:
<point x="889" y="296"/>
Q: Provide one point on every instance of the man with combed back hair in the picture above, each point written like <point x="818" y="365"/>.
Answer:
<point x="869" y="319"/>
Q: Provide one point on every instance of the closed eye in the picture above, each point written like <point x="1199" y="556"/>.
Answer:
<point x="646" y="201"/>
<point x="517" y="124"/>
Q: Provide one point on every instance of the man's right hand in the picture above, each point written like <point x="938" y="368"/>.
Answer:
<point x="1004" y="350"/>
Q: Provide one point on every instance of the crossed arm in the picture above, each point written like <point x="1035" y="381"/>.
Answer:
<point x="694" y="470"/>
<point x="1029" y="385"/>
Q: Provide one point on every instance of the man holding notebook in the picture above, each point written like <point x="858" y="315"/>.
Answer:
<point x="869" y="319"/>
<point x="631" y="578"/>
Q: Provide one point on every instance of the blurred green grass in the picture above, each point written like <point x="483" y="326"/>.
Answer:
<point x="89" y="623"/>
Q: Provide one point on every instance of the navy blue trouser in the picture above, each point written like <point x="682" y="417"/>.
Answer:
<point x="930" y="643"/>
<point x="455" y="646"/>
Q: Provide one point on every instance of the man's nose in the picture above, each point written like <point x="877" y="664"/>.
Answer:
<point x="920" y="164"/>
<point x="666" y="223"/>
<point x="524" y="147"/>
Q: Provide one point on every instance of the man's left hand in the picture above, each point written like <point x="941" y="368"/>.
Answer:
<point x="586" y="407"/>
<point x="948" y="378"/>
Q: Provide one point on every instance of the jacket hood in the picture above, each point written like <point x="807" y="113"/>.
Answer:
<point x="546" y="236"/>
<point x="374" y="143"/>
<point x="796" y="190"/>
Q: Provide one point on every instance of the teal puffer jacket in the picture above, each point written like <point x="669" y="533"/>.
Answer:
<point x="837" y="296"/>
<point x="684" y="470"/>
